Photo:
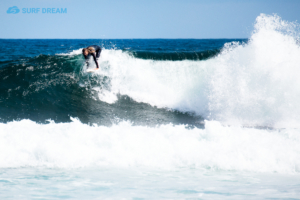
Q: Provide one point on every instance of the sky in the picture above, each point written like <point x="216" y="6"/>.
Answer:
<point x="121" y="19"/>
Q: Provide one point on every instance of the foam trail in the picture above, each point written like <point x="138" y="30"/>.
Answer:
<point x="74" y="52"/>
<point x="169" y="84"/>
<point x="73" y="145"/>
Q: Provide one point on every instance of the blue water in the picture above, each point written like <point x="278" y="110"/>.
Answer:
<point x="160" y="119"/>
<point x="24" y="48"/>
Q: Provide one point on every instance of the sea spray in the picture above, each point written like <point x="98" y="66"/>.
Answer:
<point x="257" y="83"/>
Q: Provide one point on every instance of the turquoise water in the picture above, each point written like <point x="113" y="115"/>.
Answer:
<point x="137" y="183"/>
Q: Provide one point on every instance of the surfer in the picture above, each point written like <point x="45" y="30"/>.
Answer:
<point x="93" y="50"/>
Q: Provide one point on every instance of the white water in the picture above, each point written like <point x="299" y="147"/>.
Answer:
<point x="74" y="145"/>
<point x="77" y="161"/>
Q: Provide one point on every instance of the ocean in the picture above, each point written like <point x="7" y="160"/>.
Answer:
<point x="160" y="119"/>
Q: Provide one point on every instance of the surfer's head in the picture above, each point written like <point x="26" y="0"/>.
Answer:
<point x="85" y="51"/>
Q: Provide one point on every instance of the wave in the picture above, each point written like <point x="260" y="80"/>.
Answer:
<point x="75" y="145"/>
<point x="57" y="87"/>
<point x="132" y="110"/>
<point x="252" y="84"/>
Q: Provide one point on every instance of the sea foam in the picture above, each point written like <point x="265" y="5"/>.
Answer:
<point x="217" y="147"/>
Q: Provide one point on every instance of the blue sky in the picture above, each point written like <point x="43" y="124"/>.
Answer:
<point x="105" y="19"/>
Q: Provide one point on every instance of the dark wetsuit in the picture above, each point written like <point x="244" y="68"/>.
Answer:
<point x="98" y="51"/>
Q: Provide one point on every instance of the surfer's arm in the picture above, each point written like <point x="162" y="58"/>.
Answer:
<point x="95" y="60"/>
<point x="98" y="52"/>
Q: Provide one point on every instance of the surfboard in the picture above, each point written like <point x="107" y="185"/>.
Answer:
<point x="92" y="70"/>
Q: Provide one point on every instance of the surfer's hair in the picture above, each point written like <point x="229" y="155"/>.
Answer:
<point x="91" y="50"/>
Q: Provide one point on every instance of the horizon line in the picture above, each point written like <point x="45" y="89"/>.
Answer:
<point x="117" y="38"/>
